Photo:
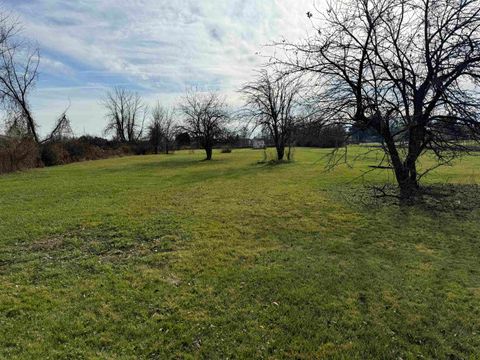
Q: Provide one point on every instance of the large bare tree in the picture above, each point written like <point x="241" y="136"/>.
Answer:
<point x="161" y="130"/>
<point x="205" y="118"/>
<point x="407" y="69"/>
<point x="126" y="114"/>
<point x="271" y="101"/>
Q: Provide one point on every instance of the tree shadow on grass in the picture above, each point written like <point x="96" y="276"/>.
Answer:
<point x="159" y="164"/>
<point x="202" y="167"/>
<point x="435" y="199"/>
<point x="274" y="162"/>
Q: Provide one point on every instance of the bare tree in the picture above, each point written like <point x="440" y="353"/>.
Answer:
<point x="18" y="74"/>
<point x="407" y="69"/>
<point x="271" y="102"/>
<point x="205" y="118"/>
<point x="161" y="130"/>
<point x="126" y="114"/>
<point x="62" y="129"/>
<point x="19" y="62"/>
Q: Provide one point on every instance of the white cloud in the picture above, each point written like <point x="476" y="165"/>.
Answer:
<point x="161" y="46"/>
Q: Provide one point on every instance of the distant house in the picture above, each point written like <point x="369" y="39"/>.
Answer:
<point x="258" y="144"/>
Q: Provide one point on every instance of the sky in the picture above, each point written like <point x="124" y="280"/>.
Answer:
<point x="158" y="48"/>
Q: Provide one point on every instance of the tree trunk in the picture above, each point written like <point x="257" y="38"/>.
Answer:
<point x="409" y="180"/>
<point x="406" y="175"/>
<point x="405" y="172"/>
<point x="208" y="151"/>
<point x="408" y="187"/>
<point x="280" y="152"/>
<point x="31" y="126"/>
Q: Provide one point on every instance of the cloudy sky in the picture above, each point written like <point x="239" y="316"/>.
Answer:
<point x="155" y="47"/>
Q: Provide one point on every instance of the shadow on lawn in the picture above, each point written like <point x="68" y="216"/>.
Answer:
<point x="436" y="199"/>
<point x="166" y="164"/>
<point x="198" y="169"/>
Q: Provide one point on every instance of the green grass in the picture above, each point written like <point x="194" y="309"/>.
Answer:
<point x="170" y="257"/>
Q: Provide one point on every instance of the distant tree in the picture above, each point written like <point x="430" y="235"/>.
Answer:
<point x="270" y="101"/>
<point x="155" y="136"/>
<point x="126" y="115"/>
<point x="362" y="135"/>
<point x="408" y="70"/>
<point x="205" y="118"/>
<point x="312" y="132"/>
<point x="161" y="130"/>
<point x="182" y="139"/>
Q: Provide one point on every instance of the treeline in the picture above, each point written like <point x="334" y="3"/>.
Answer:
<point x="274" y="110"/>
<point x="200" y="119"/>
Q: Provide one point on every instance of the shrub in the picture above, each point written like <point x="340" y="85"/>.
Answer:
<point x="142" y="148"/>
<point x="93" y="152"/>
<point x="18" y="154"/>
<point x="226" y="150"/>
<point x="101" y="142"/>
<point x="54" y="154"/>
<point x="96" y="141"/>
<point x="77" y="149"/>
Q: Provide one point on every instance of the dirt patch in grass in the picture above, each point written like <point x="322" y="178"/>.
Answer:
<point x="47" y="245"/>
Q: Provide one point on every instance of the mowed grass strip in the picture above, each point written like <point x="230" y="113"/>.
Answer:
<point x="170" y="257"/>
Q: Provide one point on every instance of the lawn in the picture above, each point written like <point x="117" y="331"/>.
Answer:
<point x="162" y="257"/>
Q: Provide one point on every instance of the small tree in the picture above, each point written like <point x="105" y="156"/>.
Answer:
<point x="205" y="118"/>
<point x="271" y="102"/>
<point x="408" y="70"/>
<point x="126" y="114"/>
<point x="161" y="130"/>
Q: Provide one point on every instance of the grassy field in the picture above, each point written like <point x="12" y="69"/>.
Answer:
<point x="162" y="257"/>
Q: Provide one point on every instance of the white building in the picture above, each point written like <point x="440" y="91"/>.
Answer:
<point x="258" y="144"/>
